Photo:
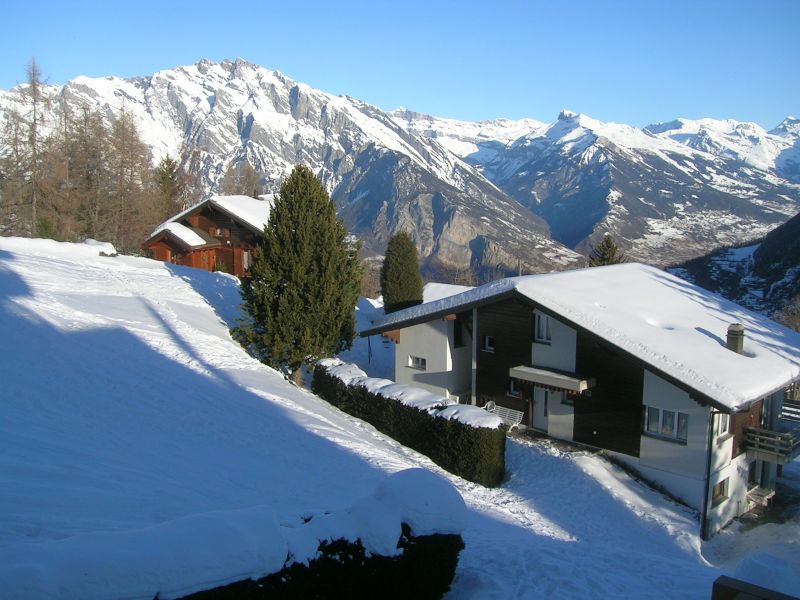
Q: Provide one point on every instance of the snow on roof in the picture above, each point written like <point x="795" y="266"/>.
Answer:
<point x="183" y="233"/>
<point x="254" y="212"/>
<point x="251" y="211"/>
<point x="436" y="291"/>
<point x="675" y="327"/>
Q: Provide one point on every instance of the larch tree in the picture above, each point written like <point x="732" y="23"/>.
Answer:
<point x="304" y="279"/>
<point x="241" y="179"/>
<point x="606" y="253"/>
<point x="401" y="284"/>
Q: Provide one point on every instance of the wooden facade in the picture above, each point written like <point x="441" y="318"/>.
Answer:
<point x="608" y="416"/>
<point x="229" y="244"/>
<point x="508" y="324"/>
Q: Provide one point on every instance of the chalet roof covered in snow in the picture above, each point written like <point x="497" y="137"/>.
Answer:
<point x="188" y="236"/>
<point x="674" y="327"/>
<point x="433" y="291"/>
<point x="253" y="212"/>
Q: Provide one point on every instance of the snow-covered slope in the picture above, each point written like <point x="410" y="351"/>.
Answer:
<point x="130" y="417"/>
<point x="763" y="276"/>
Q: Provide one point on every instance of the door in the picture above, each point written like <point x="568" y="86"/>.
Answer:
<point x="541" y="407"/>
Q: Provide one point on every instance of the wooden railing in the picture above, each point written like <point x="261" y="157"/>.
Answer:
<point x="772" y="446"/>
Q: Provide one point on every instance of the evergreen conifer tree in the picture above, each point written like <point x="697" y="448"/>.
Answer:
<point x="606" y="253"/>
<point x="171" y="185"/>
<point x="401" y="284"/>
<point x="304" y="279"/>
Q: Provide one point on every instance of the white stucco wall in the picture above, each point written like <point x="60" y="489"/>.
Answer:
<point x="428" y="341"/>
<point x="560" y="352"/>
<point x="736" y="503"/>
<point x="680" y="468"/>
<point x="459" y="379"/>
<point x="561" y="418"/>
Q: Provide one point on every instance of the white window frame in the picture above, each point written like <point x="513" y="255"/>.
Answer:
<point x="542" y="328"/>
<point x="488" y="346"/>
<point x="723" y="424"/>
<point x="663" y="417"/>
<point x="719" y="498"/>
<point x="513" y="388"/>
<point x="419" y="363"/>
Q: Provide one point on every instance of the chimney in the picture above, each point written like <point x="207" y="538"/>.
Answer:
<point x="736" y="338"/>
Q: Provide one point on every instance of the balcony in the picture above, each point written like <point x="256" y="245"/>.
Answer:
<point x="772" y="446"/>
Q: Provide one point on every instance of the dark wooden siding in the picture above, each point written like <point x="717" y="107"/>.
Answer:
<point x="611" y="417"/>
<point x="509" y="323"/>
<point x="741" y="421"/>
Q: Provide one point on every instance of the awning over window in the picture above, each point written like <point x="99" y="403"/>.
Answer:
<point x="551" y="379"/>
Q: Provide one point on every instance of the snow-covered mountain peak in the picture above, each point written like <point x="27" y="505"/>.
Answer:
<point x="789" y="127"/>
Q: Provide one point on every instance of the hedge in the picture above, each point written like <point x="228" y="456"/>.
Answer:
<point x="424" y="569"/>
<point x="474" y="453"/>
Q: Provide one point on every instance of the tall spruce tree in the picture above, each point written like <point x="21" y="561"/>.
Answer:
<point x="171" y="186"/>
<point x="304" y="280"/>
<point x="401" y="284"/>
<point x="606" y="253"/>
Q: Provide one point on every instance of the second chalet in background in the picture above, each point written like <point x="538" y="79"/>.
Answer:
<point x="217" y="234"/>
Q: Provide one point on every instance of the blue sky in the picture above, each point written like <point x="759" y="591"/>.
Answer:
<point x="631" y="61"/>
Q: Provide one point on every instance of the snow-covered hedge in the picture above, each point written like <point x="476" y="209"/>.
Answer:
<point x="407" y="542"/>
<point x="233" y="548"/>
<point x="465" y="440"/>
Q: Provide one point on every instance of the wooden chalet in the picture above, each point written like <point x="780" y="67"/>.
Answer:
<point x="217" y="234"/>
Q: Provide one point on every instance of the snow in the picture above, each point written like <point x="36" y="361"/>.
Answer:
<point x="673" y="326"/>
<point x="433" y="291"/>
<point x="129" y="416"/>
<point x="183" y="233"/>
<point x="747" y="142"/>
<point x="433" y="404"/>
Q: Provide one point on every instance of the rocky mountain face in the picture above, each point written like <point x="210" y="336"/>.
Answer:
<point x="383" y="178"/>
<point x="495" y="195"/>
<point x="763" y="276"/>
<point x="667" y="193"/>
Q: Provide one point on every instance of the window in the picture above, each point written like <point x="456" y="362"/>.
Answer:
<point x="719" y="493"/>
<point x="546" y="401"/>
<point x="417" y="362"/>
<point x="567" y="399"/>
<point x="488" y="343"/>
<point x="458" y="333"/>
<point x="723" y="424"/>
<point x="667" y="424"/>
<point x="513" y="388"/>
<point x="541" y="328"/>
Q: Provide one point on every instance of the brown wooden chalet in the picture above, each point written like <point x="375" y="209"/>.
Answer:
<point x="217" y="234"/>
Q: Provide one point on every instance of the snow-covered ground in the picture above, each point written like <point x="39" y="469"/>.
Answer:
<point x="126" y="407"/>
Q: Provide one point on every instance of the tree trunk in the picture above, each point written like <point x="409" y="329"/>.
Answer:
<point x="297" y="376"/>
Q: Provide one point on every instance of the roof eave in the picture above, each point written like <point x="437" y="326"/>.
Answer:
<point x="440" y="313"/>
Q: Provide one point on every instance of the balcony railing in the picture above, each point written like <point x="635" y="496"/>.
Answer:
<point x="772" y="446"/>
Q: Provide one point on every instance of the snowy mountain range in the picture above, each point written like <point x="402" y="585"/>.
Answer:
<point x="491" y="194"/>
<point x="667" y="192"/>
